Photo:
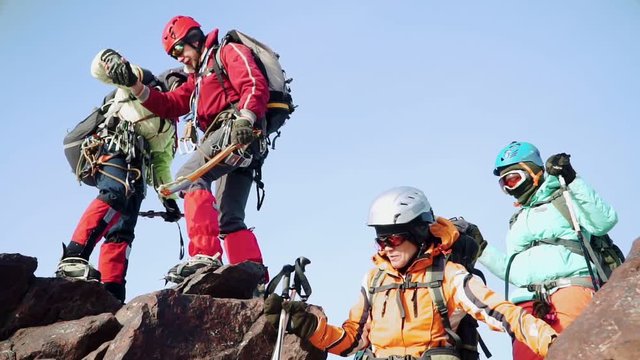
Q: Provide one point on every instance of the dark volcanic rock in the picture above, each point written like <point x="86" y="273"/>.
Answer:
<point x="229" y="281"/>
<point x="213" y="315"/>
<point x="62" y="340"/>
<point x="610" y="327"/>
<point x="49" y="300"/>
<point x="17" y="274"/>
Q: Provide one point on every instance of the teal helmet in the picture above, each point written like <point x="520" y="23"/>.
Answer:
<point x="517" y="152"/>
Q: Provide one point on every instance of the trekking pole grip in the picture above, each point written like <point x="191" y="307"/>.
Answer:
<point x="300" y="281"/>
<point x="286" y="282"/>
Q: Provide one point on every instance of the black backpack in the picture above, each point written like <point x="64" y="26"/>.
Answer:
<point x="465" y="251"/>
<point x="90" y="127"/>
<point x="96" y="125"/>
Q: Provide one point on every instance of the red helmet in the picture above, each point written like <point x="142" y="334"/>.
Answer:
<point x="176" y="29"/>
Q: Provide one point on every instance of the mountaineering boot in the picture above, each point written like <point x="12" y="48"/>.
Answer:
<point x="179" y="272"/>
<point x="117" y="290"/>
<point x="77" y="268"/>
<point x="73" y="265"/>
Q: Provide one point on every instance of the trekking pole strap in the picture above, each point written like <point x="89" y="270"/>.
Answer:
<point x="181" y="253"/>
<point x="300" y="281"/>
<point x="260" y="193"/>
<point x="273" y="284"/>
<point x="484" y="347"/>
<point x="152" y="214"/>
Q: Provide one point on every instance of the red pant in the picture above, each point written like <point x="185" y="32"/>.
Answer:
<point x="203" y="228"/>
<point x="568" y="303"/>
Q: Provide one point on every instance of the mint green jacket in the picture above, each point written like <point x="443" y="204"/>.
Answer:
<point x="534" y="265"/>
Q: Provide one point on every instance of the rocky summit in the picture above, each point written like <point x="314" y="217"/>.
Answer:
<point x="212" y="315"/>
<point x="609" y="328"/>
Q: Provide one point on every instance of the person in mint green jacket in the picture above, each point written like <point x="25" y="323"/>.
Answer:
<point x="552" y="282"/>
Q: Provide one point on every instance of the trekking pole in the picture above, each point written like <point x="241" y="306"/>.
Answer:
<point x="587" y="250"/>
<point x="152" y="214"/>
<point x="286" y="286"/>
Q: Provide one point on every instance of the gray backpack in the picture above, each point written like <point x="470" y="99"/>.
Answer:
<point x="280" y="105"/>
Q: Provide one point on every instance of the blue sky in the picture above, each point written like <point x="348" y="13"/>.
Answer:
<point x="419" y="93"/>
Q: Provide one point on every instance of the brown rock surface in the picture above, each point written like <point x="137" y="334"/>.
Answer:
<point x="17" y="276"/>
<point x="213" y="315"/>
<point x="610" y="327"/>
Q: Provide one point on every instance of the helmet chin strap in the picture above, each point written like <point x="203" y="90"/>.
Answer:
<point x="534" y="176"/>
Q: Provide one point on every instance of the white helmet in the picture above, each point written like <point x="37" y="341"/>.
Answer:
<point x="400" y="205"/>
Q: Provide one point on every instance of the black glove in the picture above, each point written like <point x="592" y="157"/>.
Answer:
<point x="559" y="164"/>
<point x="118" y="68"/>
<point x="478" y="238"/>
<point x="242" y="131"/>
<point x="272" y="309"/>
<point x="173" y="213"/>
<point x="303" y="323"/>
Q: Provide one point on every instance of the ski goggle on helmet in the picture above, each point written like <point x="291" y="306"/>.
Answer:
<point x="396" y="214"/>
<point x="175" y="32"/>
<point x="392" y="240"/>
<point x="512" y="179"/>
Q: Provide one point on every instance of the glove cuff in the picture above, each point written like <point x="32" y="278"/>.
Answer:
<point x="143" y="95"/>
<point x="249" y="115"/>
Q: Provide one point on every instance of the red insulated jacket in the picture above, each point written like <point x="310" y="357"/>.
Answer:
<point x="245" y="85"/>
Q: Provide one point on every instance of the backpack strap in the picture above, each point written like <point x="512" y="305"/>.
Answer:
<point x="218" y="69"/>
<point x="583" y="249"/>
<point x="435" y="277"/>
<point x="571" y="245"/>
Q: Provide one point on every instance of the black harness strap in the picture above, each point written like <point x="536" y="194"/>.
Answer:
<point x="435" y="275"/>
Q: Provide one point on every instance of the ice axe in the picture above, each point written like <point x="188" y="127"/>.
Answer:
<point x="183" y="182"/>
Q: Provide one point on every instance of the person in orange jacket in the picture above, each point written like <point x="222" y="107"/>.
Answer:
<point x="403" y="321"/>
